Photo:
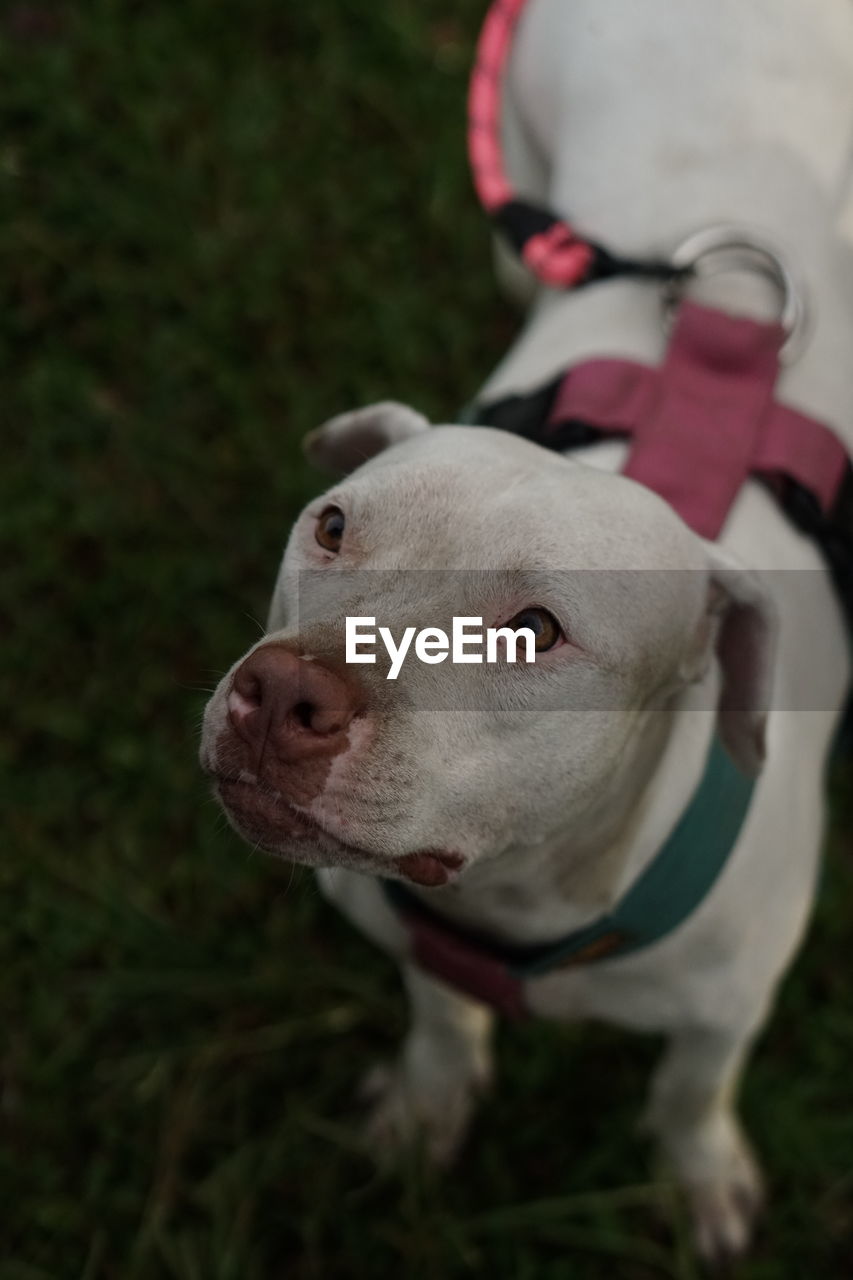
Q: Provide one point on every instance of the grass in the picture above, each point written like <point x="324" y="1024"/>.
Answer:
<point x="219" y="225"/>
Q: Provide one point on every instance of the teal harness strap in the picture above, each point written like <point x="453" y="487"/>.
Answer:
<point x="666" y="893"/>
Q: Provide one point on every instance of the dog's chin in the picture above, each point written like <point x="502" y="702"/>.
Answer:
<point x="268" y="822"/>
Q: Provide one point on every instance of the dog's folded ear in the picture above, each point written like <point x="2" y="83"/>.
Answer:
<point x="346" y="441"/>
<point x="744" y="626"/>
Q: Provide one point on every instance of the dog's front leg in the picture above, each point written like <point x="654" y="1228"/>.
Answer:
<point x="692" y="1113"/>
<point x="429" y="1094"/>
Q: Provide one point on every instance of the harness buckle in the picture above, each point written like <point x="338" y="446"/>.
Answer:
<point x="727" y="247"/>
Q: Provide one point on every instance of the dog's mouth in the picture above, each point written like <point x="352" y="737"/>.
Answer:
<point x="270" y="822"/>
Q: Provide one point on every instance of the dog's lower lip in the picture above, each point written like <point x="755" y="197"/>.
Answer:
<point x="231" y="788"/>
<point x="427" y="867"/>
<point x="430" y="868"/>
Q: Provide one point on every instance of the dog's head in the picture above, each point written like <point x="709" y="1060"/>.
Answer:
<point x="329" y="762"/>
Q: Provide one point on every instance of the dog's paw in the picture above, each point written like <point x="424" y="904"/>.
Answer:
<point x="725" y="1213"/>
<point x="404" y="1116"/>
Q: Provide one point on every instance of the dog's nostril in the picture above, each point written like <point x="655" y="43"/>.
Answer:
<point x="302" y="713"/>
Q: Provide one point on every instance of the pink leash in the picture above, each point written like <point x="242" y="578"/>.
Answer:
<point x="548" y="244"/>
<point x="553" y="251"/>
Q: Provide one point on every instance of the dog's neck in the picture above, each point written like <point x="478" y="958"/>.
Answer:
<point x="537" y="893"/>
<point x="758" y="135"/>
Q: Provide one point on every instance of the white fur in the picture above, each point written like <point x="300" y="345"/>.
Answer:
<point x="558" y="784"/>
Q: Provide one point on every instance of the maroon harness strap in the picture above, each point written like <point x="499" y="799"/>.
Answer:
<point x="470" y="966"/>
<point x="465" y="966"/>
<point x="706" y="419"/>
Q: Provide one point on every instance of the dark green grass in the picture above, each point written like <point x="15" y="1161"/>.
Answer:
<point x="218" y="225"/>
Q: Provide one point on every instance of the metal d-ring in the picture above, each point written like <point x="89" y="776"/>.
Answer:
<point x="733" y="248"/>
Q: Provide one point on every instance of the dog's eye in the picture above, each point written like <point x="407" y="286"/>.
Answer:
<point x="330" y="528"/>
<point x="543" y="624"/>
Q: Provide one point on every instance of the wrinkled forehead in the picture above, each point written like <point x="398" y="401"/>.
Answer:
<point x="474" y="498"/>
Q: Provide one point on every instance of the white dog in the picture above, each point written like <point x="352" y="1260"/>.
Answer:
<point x="523" y="802"/>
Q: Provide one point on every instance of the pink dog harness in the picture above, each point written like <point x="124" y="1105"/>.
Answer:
<point x="707" y="419"/>
<point x="698" y="428"/>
